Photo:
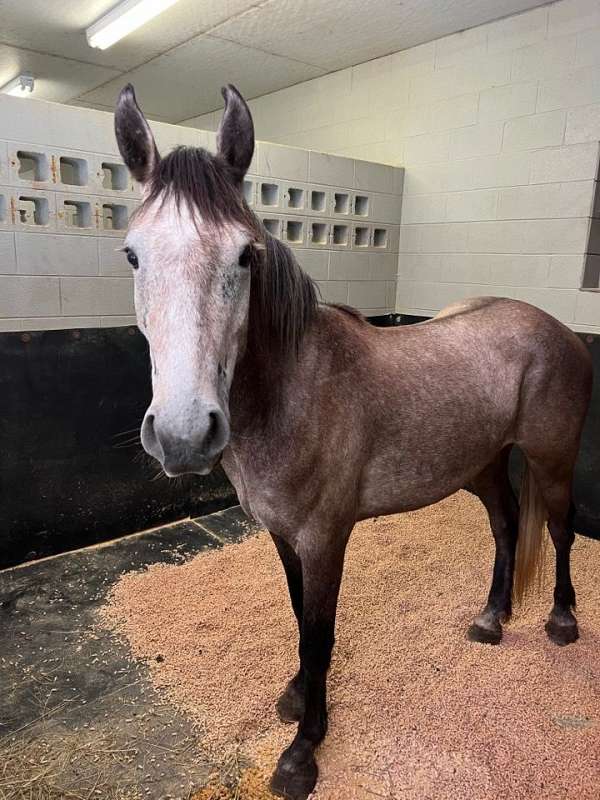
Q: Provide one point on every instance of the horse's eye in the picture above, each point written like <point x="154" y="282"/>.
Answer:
<point x="131" y="257"/>
<point x="246" y="256"/>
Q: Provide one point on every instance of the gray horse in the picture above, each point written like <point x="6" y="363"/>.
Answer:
<point x="321" y="420"/>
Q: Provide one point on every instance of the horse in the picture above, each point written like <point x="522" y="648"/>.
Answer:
<point x="320" y="419"/>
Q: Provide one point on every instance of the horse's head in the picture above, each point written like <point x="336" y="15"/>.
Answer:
<point x="190" y="244"/>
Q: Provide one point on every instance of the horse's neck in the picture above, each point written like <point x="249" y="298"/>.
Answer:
<point x="255" y="398"/>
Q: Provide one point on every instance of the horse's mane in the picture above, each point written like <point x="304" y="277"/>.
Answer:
<point x="283" y="298"/>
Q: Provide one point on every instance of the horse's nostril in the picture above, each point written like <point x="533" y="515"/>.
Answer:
<point x="217" y="432"/>
<point x="213" y="428"/>
<point x="149" y="436"/>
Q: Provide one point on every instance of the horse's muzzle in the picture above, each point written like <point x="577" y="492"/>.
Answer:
<point x="196" y="451"/>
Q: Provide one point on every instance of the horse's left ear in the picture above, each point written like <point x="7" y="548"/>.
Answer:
<point x="235" y="137"/>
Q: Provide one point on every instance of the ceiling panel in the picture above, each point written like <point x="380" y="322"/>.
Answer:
<point x="188" y="79"/>
<point x="179" y="61"/>
<point x="340" y="33"/>
<point x="58" y="27"/>
<point x="57" y="79"/>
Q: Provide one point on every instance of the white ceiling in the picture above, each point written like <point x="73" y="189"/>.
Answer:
<point x="179" y="61"/>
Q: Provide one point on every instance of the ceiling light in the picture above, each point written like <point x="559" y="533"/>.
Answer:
<point x="125" y="18"/>
<point x="22" y="86"/>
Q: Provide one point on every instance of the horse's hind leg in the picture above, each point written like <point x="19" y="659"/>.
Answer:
<point x="493" y="488"/>
<point x="554" y="481"/>
<point x="290" y="706"/>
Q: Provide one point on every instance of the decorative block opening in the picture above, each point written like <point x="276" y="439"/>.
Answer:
<point x="294" y="230"/>
<point x="73" y="171"/>
<point x="269" y="194"/>
<point x="361" y="205"/>
<point x="319" y="233"/>
<point x="380" y="237"/>
<point x="114" y="176"/>
<point x="114" y="217"/>
<point x="78" y="214"/>
<point x="273" y="226"/>
<point x="33" y="166"/>
<point x="249" y="192"/>
<point x="340" y="234"/>
<point x="33" y="210"/>
<point x="317" y="201"/>
<point x="341" y="203"/>
<point x="3" y="208"/>
<point x="295" y="197"/>
<point x="361" y="237"/>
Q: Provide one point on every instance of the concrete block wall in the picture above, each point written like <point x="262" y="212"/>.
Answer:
<point x="65" y="199"/>
<point x="498" y="129"/>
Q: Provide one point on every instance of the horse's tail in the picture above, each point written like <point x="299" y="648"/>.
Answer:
<point x="531" y="543"/>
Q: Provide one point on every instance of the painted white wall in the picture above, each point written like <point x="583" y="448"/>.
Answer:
<point x="498" y="129"/>
<point x="340" y="215"/>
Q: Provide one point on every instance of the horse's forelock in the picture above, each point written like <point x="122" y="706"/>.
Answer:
<point x="201" y="181"/>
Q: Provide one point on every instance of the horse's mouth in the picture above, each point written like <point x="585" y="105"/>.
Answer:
<point x="202" y="467"/>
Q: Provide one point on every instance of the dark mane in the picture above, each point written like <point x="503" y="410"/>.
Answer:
<point x="283" y="298"/>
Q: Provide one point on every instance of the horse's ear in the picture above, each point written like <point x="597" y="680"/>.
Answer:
<point x="134" y="137"/>
<point x="235" y="137"/>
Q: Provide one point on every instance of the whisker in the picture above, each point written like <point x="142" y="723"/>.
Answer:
<point x="127" y="433"/>
<point x="125" y="445"/>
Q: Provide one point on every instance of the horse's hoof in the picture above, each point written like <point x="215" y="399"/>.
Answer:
<point x="561" y="634"/>
<point x="477" y="633"/>
<point x="290" y="706"/>
<point x="294" y="779"/>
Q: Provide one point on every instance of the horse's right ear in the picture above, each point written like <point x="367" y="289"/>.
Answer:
<point x="235" y="137"/>
<point x="134" y="137"/>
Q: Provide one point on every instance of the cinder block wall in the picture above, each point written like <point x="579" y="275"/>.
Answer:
<point x="498" y="130"/>
<point x="65" y="199"/>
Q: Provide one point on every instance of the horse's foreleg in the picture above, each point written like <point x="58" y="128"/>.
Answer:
<point x="322" y="566"/>
<point x="493" y="488"/>
<point x="290" y="705"/>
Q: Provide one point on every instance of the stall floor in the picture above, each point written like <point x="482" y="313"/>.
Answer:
<point x="78" y="717"/>
<point x="149" y="668"/>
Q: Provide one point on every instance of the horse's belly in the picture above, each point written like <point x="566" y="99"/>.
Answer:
<point x="398" y="480"/>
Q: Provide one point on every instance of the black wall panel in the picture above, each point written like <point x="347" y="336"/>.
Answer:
<point x="69" y="473"/>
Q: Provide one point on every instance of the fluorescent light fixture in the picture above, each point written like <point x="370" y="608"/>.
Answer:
<point x="22" y="86"/>
<point x="122" y="20"/>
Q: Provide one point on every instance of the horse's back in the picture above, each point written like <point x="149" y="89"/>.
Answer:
<point x="527" y="328"/>
<point x="464" y="306"/>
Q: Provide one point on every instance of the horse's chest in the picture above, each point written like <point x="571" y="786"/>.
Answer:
<point x="259" y="498"/>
